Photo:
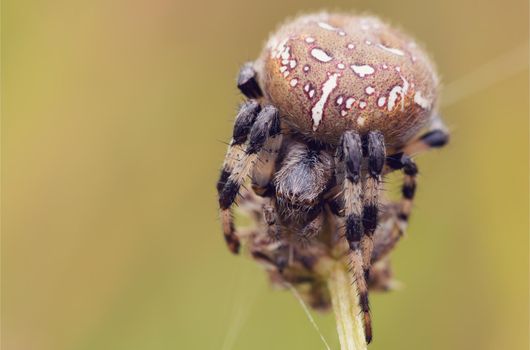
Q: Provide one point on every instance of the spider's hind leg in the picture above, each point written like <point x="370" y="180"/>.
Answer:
<point x="408" y="189"/>
<point x="437" y="136"/>
<point x="394" y="221"/>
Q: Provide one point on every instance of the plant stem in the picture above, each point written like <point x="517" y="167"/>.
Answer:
<point x="344" y="299"/>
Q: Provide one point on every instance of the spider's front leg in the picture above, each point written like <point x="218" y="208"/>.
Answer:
<point x="375" y="152"/>
<point x="265" y="126"/>
<point x="349" y="154"/>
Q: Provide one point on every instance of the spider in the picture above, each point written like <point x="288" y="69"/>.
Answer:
<point x="333" y="104"/>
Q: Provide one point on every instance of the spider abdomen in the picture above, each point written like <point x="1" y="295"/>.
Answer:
<point x="330" y="73"/>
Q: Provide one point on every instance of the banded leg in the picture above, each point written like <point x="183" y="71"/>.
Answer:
<point x="267" y="124"/>
<point x="350" y="154"/>
<point x="375" y="152"/>
<point x="408" y="190"/>
<point x="244" y="121"/>
<point x="436" y="137"/>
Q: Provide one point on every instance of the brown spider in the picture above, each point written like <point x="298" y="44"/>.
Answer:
<point x="335" y="102"/>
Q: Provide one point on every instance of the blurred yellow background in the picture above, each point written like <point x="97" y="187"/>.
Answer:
<point x="114" y="118"/>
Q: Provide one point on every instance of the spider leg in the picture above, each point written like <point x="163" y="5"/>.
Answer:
<point x="244" y="121"/>
<point x="313" y="227"/>
<point x="270" y="215"/>
<point x="408" y="189"/>
<point x="393" y="226"/>
<point x="350" y="154"/>
<point x="262" y="186"/>
<point x="247" y="81"/>
<point x="436" y="137"/>
<point x="375" y="152"/>
<point x="266" y="124"/>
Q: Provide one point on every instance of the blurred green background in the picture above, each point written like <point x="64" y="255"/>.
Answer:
<point x="114" y="114"/>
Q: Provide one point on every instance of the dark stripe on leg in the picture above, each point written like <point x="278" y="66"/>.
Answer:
<point x="408" y="190"/>
<point x="435" y="138"/>
<point x="245" y="119"/>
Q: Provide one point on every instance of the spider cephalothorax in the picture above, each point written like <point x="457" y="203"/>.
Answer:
<point x="334" y="103"/>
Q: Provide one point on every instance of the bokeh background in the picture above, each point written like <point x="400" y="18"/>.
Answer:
<point x="114" y="118"/>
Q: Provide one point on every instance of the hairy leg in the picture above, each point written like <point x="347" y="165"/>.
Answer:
<point x="394" y="224"/>
<point x="266" y="125"/>
<point x="375" y="152"/>
<point x="350" y="154"/>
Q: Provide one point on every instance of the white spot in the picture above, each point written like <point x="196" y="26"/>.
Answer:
<point x="362" y="104"/>
<point x="292" y="63"/>
<point x="309" y="40"/>
<point x="391" y="50"/>
<point x="341" y="66"/>
<point x="349" y="102"/>
<point x="326" y="26"/>
<point x="393" y="95"/>
<point x="385" y="66"/>
<point x="351" y="46"/>
<point x="343" y="113"/>
<point x="285" y="74"/>
<point x="318" y="109"/>
<point x="362" y="70"/>
<point x="368" y="42"/>
<point x="421" y="101"/>
<point x="341" y="33"/>
<point x="311" y="93"/>
<point x="283" y="69"/>
<point x="339" y="100"/>
<point x="381" y="101"/>
<point x="306" y="68"/>
<point x="321" y="55"/>
<point x="360" y="121"/>
<point x="398" y="69"/>
<point x="414" y="59"/>
<point x="293" y="82"/>
<point x="286" y="53"/>
<point x="285" y="62"/>
<point x="307" y="87"/>
<point x="369" y="90"/>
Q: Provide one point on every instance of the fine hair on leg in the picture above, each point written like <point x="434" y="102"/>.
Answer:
<point x="266" y="125"/>
<point x="350" y="154"/>
<point x="375" y="152"/>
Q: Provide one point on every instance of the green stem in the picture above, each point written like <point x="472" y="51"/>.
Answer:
<point x="344" y="299"/>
